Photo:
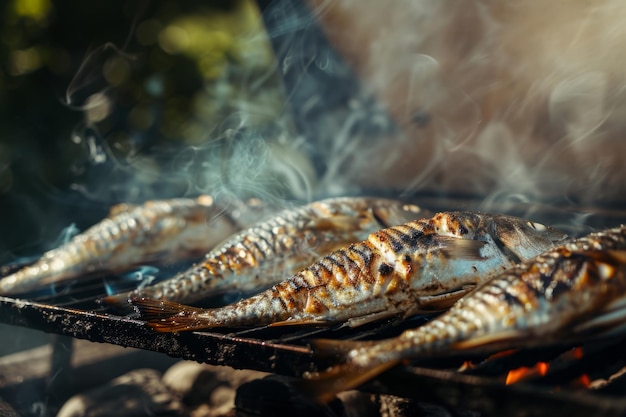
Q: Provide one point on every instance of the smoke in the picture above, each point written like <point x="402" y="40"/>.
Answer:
<point x="192" y="103"/>
<point x="523" y="99"/>
<point x="506" y="102"/>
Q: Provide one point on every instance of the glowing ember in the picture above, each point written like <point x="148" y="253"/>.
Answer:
<point x="577" y="353"/>
<point x="515" y="375"/>
<point x="582" y="381"/>
<point x="542" y="368"/>
<point x="466" y="365"/>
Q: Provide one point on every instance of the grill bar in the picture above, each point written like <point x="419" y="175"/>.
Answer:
<point x="485" y="394"/>
<point x="284" y="351"/>
<point x="212" y="348"/>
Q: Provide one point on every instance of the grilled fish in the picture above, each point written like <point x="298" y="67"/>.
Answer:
<point x="163" y="230"/>
<point x="423" y="265"/>
<point x="575" y="289"/>
<point x="258" y="257"/>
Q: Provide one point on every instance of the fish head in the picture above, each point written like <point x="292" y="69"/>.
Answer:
<point x="524" y="239"/>
<point x="390" y="213"/>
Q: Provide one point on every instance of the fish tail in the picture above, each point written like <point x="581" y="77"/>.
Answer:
<point x="324" y="385"/>
<point x="166" y="316"/>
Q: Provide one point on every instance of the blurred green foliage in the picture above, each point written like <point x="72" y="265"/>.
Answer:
<point x="102" y="102"/>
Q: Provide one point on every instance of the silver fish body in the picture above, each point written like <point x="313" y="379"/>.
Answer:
<point x="163" y="231"/>
<point x="574" y="289"/>
<point x="262" y="255"/>
<point x="423" y="265"/>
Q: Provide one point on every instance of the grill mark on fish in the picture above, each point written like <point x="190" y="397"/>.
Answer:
<point x="267" y="238"/>
<point x="348" y="282"/>
<point x="391" y="237"/>
<point x="385" y="269"/>
<point x="361" y="267"/>
<point x="265" y="253"/>
<point x="157" y="231"/>
<point x="408" y="239"/>
<point x="574" y="289"/>
<point x="365" y="255"/>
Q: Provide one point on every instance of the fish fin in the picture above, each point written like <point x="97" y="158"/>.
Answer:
<point x="326" y="348"/>
<point x="116" y="300"/>
<point x="355" y="322"/>
<point x="118" y="303"/>
<point x="458" y="248"/>
<point x="167" y="316"/>
<point x="351" y="322"/>
<point x="299" y="322"/>
<point x="610" y="256"/>
<point x="610" y="321"/>
<point x="323" y="386"/>
<point x="618" y="254"/>
<point x="488" y="339"/>
<point x="440" y="302"/>
<point x="335" y="223"/>
<point x="151" y="309"/>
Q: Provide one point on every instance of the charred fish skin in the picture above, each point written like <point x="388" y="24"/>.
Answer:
<point x="260" y="256"/>
<point x="425" y="264"/>
<point x="156" y="230"/>
<point x="578" y="286"/>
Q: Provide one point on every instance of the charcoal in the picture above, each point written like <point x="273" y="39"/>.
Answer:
<point x="359" y="404"/>
<point x="197" y="383"/>
<point x="276" y="395"/>
<point x="137" y="393"/>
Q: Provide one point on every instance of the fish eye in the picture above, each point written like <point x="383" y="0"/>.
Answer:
<point x="537" y="226"/>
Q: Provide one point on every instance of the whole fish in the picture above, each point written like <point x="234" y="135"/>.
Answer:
<point x="163" y="231"/>
<point x="575" y="289"/>
<point x="262" y="255"/>
<point x="423" y="265"/>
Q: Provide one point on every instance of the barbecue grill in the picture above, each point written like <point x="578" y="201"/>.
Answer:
<point x="465" y="383"/>
<point x="586" y="379"/>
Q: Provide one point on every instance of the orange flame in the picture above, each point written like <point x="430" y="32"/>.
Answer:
<point x="515" y="375"/>
<point x="542" y="368"/>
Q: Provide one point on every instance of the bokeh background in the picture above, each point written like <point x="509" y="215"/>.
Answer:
<point x="125" y="101"/>
<point x="120" y="101"/>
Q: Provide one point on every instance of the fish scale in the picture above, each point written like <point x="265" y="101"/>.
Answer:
<point x="429" y="264"/>
<point x="163" y="230"/>
<point x="574" y="288"/>
<point x="259" y="256"/>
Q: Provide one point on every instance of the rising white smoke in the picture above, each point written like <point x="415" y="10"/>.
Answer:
<point x="507" y="101"/>
<point x="524" y="99"/>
